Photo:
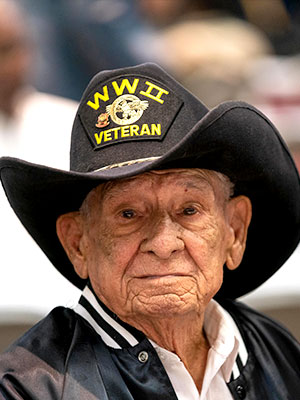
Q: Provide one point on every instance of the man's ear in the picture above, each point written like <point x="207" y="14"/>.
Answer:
<point x="239" y="213"/>
<point x="69" y="228"/>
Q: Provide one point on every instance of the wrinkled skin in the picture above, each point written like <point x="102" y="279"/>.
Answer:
<point x="154" y="247"/>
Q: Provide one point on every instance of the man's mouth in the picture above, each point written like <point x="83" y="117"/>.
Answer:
<point x="174" y="275"/>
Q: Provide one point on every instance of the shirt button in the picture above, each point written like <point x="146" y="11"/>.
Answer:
<point x="143" y="356"/>
<point x="240" y="390"/>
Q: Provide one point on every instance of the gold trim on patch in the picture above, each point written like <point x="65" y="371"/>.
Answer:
<point x="126" y="163"/>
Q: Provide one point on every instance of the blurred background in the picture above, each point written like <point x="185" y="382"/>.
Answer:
<point x="49" y="50"/>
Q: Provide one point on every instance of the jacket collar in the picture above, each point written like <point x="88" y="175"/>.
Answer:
<point x="114" y="332"/>
<point x="119" y="335"/>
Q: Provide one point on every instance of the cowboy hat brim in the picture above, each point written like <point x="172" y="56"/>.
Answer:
<point x="234" y="138"/>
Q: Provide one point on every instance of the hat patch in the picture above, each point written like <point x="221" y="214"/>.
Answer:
<point x="131" y="108"/>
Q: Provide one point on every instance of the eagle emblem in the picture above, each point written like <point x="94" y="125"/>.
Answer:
<point x="126" y="109"/>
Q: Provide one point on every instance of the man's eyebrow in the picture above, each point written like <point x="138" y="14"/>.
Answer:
<point x="199" y="184"/>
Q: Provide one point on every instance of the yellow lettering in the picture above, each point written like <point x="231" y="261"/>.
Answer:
<point x="157" y="97"/>
<point x="145" y="130"/>
<point x="156" y="129"/>
<point x="107" y="135"/>
<point x="116" y="131"/>
<point x="98" y="137"/>
<point x="134" y="130"/>
<point x="125" y="131"/>
<point x="97" y="97"/>
<point x="125" y="83"/>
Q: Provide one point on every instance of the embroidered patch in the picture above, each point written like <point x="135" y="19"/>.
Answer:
<point x="128" y="109"/>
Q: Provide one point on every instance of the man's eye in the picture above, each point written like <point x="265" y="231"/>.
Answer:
<point x="128" y="214"/>
<point x="189" y="211"/>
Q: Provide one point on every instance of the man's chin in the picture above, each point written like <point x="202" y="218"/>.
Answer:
<point x="166" y="305"/>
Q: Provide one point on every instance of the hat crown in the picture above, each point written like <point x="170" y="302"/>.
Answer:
<point x="131" y="114"/>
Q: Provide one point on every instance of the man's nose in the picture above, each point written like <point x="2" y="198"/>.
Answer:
<point x="163" y="238"/>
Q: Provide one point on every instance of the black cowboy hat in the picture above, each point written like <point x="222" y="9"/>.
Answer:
<point x="138" y="119"/>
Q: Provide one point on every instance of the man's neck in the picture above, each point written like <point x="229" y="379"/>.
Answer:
<point x="184" y="336"/>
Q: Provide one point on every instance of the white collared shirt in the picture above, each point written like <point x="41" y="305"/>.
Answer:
<point x="227" y="353"/>
<point x="225" y="344"/>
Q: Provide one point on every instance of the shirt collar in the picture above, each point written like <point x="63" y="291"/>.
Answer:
<point x="224" y="337"/>
<point x="220" y="328"/>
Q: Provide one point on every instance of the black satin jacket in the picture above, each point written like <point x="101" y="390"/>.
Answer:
<point x="62" y="358"/>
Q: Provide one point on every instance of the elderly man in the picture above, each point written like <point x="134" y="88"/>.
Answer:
<point x="151" y="222"/>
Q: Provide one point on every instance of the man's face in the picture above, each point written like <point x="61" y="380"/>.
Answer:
<point x="156" y="244"/>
